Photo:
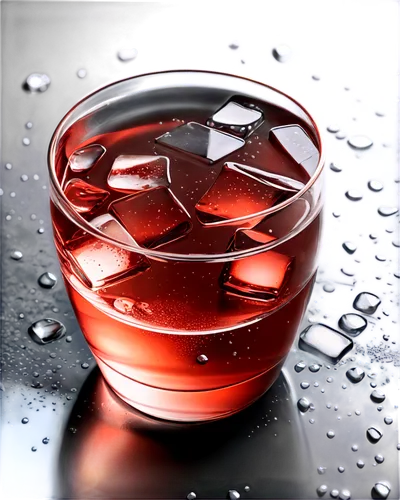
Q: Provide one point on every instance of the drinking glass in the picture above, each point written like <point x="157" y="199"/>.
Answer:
<point x="189" y="276"/>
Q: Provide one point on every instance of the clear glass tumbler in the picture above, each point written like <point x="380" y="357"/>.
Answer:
<point x="186" y="208"/>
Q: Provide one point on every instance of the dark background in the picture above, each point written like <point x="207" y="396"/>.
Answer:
<point x="343" y="66"/>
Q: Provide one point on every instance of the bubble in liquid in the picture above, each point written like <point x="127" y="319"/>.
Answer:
<point x="202" y="359"/>
<point x="360" y="142"/>
<point x="281" y="52"/>
<point x="377" y="396"/>
<point x="16" y="255"/>
<point x="350" y="247"/>
<point x="37" y="82"/>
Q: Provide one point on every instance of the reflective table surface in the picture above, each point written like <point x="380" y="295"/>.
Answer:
<point x="63" y="433"/>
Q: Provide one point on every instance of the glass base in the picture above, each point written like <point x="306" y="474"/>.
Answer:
<point x="189" y="406"/>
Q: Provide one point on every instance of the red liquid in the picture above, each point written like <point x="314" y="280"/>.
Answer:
<point x="149" y="328"/>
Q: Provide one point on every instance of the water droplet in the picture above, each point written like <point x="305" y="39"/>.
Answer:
<point x="341" y="469"/>
<point x="46" y="330"/>
<point x="373" y="374"/>
<point x="321" y="490"/>
<point x="234" y="46"/>
<point x="191" y="496"/>
<point x="16" y="255"/>
<point x="355" y="375"/>
<point x="25" y="420"/>
<point x="334" y="493"/>
<point x="304" y="385"/>
<point x="335" y="168"/>
<point x="81" y="73"/>
<point x="47" y="280"/>
<point x="381" y="258"/>
<point x="375" y="186"/>
<point x="388" y="420"/>
<point x="379" y="459"/>
<point x="386" y="211"/>
<point x="329" y="380"/>
<point x="24" y="177"/>
<point x="281" y="52"/>
<point x="377" y="396"/>
<point x="299" y="367"/>
<point x="353" y="324"/>
<point x="345" y="495"/>
<point x="33" y="448"/>
<point x="37" y="82"/>
<point x="317" y="78"/>
<point x="128" y="54"/>
<point x="353" y="195"/>
<point x="233" y="495"/>
<point x="85" y="366"/>
<point x="321" y="470"/>
<point x="380" y="490"/>
<point x="328" y="287"/>
<point x="26" y="141"/>
<point x="314" y="368"/>
<point x="40" y="230"/>
<point x="347" y="272"/>
<point x="45" y="440"/>
<point x="354" y="447"/>
<point x="28" y="125"/>
<point x="336" y="214"/>
<point x="303" y="405"/>
<point x="373" y="435"/>
<point x="333" y="129"/>
<point x="340" y="136"/>
<point x="366" y="302"/>
<point x="350" y="247"/>
<point x="360" y="464"/>
<point x="202" y="359"/>
<point x="360" y="142"/>
<point x="68" y="339"/>
<point x="330" y="434"/>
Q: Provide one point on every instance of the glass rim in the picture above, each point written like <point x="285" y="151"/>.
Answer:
<point x="57" y="195"/>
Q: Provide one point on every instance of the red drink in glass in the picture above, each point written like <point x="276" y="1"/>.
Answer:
<point x="186" y="213"/>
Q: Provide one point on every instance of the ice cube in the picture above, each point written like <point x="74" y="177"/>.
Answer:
<point x="325" y="342"/>
<point x="199" y="140"/>
<point x="240" y="191"/>
<point x="83" y="196"/>
<point x="153" y="217"/>
<point x="99" y="263"/>
<point x="297" y="144"/>
<point x="258" y="277"/>
<point x="236" y="119"/>
<point x="86" y="158"/>
<point x="139" y="172"/>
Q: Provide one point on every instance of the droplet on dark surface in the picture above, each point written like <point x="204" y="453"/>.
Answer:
<point x="388" y="420"/>
<point x="333" y="129"/>
<point x="127" y="54"/>
<point x="355" y="374"/>
<point x="85" y="366"/>
<point x="387" y="211"/>
<point x="335" y="168"/>
<point x="354" y="195"/>
<point x="25" y="420"/>
<point x="247" y="488"/>
<point x="347" y="272"/>
<point x="373" y="435"/>
<point x="377" y="396"/>
<point x="46" y="330"/>
<point x="352" y="323"/>
<point x="37" y="82"/>
<point x="303" y="405"/>
<point x="47" y="280"/>
<point x="16" y="255"/>
<point x="234" y="46"/>
<point x="340" y="135"/>
<point x="299" y="367"/>
<point x="233" y="495"/>
<point x="191" y="496"/>
<point x="375" y="186"/>
<point x="360" y="142"/>
<point x="380" y="490"/>
<point x="282" y="52"/>
<point x="321" y="490"/>
<point x="202" y="359"/>
<point x="366" y="302"/>
<point x="350" y="247"/>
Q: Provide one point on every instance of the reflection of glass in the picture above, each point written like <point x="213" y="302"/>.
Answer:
<point x="111" y="451"/>
<point x="189" y="287"/>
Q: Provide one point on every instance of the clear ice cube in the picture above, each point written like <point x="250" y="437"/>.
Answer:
<point x="366" y="302"/>
<point x="139" y="172"/>
<point x="86" y="158"/>
<point x="236" y="119"/>
<point x="325" y="342"/>
<point x="153" y="217"/>
<point x="297" y="144"/>
<point x="240" y="191"/>
<point x="199" y="140"/>
<point x="99" y="263"/>
<point x="83" y="196"/>
<point x="259" y="277"/>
